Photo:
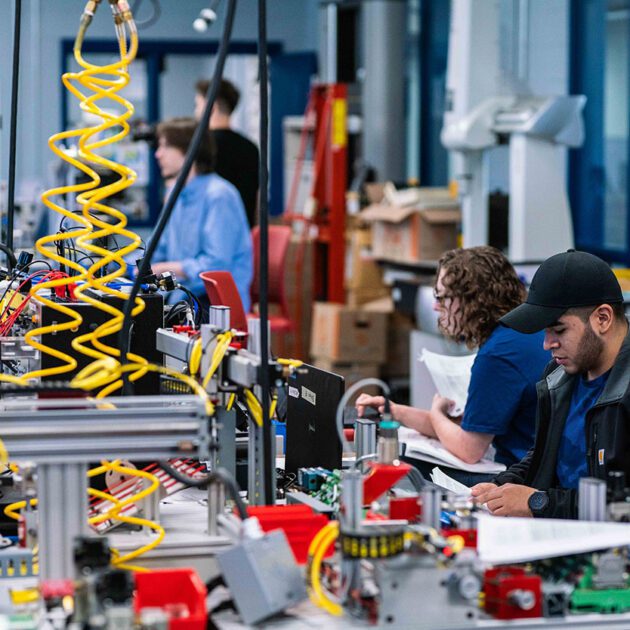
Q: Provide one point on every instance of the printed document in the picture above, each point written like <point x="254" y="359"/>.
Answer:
<point x="418" y="446"/>
<point x="451" y="376"/>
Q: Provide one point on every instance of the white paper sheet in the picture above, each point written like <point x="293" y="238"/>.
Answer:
<point x="421" y="447"/>
<point x="504" y="540"/>
<point x="451" y="376"/>
<point x="440" y="478"/>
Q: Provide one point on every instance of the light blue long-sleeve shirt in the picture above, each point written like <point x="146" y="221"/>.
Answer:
<point x="208" y="231"/>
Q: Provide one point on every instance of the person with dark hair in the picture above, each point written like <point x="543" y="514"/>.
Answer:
<point x="237" y="157"/>
<point x="583" y="420"/>
<point x="474" y="288"/>
<point x="208" y="229"/>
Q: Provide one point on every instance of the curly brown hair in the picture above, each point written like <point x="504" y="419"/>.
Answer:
<point x="487" y="287"/>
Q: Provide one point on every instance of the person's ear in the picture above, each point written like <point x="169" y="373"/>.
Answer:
<point x="602" y="318"/>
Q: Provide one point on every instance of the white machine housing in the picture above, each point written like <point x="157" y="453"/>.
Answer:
<point x="487" y="106"/>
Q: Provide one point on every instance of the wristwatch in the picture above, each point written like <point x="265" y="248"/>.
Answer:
<point x="538" y="502"/>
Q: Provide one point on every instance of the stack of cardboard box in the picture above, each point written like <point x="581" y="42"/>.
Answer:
<point x="363" y="277"/>
<point x="349" y="341"/>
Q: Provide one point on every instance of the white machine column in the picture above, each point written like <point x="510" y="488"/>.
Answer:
<point x="472" y="178"/>
<point x="540" y="218"/>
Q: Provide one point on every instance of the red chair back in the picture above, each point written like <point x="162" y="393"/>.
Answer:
<point x="221" y="290"/>
<point x="279" y="239"/>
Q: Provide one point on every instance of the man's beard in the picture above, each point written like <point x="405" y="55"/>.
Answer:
<point x="589" y="351"/>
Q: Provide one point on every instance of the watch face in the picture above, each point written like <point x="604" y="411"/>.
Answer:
<point x="538" y="501"/>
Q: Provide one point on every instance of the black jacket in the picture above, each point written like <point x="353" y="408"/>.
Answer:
<point x="607" y="427"/>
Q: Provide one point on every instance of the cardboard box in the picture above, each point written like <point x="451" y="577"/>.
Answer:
<point x="343" y="333"/>
<point x="398" y="362"/>
<point x="399" y="327"/>
<point x="362" y="271"/>
<point x="423" y="231"/>
<point x="357" y="298"/>
<point x="352" y="373"/>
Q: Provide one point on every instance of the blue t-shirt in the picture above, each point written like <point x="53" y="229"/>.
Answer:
<point x="572" y="464"/>
<point x="502" y="391"/>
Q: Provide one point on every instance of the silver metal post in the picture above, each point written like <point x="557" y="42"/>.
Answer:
<point x="351" y="508"/>
<point x="431" y="507"/>
<point x="592" y="499"/>
<point x="216" y="506"/>
<point x="62" y="507"/>
<point x="364" y="439"/>
<point x="151" y="506"/>
<point x="219" y="316"/>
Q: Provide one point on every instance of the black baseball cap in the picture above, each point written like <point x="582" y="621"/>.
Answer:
<point x="568" y="280"/>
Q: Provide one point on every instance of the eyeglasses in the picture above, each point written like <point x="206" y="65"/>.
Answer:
<point x="440" y="299"/>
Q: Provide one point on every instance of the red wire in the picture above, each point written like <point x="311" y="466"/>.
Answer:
<point x="11" y="319"/>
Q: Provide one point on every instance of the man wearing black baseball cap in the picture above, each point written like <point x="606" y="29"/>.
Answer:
<point x="584" y="398"/>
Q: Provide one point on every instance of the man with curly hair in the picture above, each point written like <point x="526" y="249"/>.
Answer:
<point x="583" y="415"/>
<point x="474" y="288"/>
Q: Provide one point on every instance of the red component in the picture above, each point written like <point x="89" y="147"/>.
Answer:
<point x="469" y="536"/>
<point x="181" y="330"/>
<point x="221" y="290"/>
<point x="510" y="593"/>
<point x="279" y="238"/>
<point x="349" y="433"/>
<point x="407" y="508"/>
<point x="56" y="589"/>
<point x="299" y="522"/>
<point x="375" y="516"/>
<point x="381" y="478"/>
<point x="326" y="116"/>
<point x="179" y="592"/>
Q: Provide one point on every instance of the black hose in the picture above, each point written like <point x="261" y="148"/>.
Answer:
<point x="263" y="74"/>
<point x="11" y="259"/>
<point x="194" y="302"/>
<point x="165" y="214"/>
<point x="13" y="129"/>
<point x="218" y="475"/>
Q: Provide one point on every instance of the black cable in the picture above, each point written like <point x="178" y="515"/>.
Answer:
<point x="165" y="214"/>
<point x="13" y="128"/>
<point x="263" y="75"/>
<point x="220" y="474"/>
<point x="196" y="306"/>
<point x="11" y="259"/>
<point x="37" y="261"/>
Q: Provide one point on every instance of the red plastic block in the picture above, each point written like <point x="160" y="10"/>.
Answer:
<point x="510" y="593"/>
<point x="407" y="508"/>
<point x="179" y="592"/>
<point x="381" y="478"/>
<point x="299" y="522"/>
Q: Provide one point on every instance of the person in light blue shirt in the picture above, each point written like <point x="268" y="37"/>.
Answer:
<point x="208" y="229"/>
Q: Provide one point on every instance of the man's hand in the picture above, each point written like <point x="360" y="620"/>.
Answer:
<point x="365" y="400"/>
<point x="507" y="500"/>
<point x="480" y="491"/>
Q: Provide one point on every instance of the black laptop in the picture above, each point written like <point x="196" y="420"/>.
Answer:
<point x="312" y="439"/>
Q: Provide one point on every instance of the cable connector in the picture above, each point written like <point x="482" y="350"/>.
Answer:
<point x="167" y="281"/>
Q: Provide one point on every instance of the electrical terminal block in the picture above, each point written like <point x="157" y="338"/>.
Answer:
<point x="312" y="479"/>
